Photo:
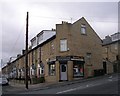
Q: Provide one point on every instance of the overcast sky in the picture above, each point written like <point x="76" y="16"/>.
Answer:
<point x="103" y="17"/>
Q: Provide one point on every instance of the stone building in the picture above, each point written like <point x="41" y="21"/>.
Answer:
<point x="111" y="45"/>
<point x="74" y="52"/>
<point x="70" y="51"/>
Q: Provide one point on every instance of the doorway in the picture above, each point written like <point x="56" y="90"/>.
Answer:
<point x="63" y="71"/>
<point x="104" y="67"/>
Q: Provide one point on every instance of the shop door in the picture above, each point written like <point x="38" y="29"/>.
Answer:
<point x="63" y="71"/>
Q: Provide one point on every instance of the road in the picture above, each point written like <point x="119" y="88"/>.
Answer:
<point x="107" y="88"/>
<point x="106" y="85"/>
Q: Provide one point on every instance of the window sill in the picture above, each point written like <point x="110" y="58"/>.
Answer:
<point x="63" y="51"/>
<point x="84" y="34"/>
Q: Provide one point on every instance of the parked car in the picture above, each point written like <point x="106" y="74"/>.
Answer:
<point x="3" y="80"/>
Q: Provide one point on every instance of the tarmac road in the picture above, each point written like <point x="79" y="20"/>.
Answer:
<point x="108" y="85"/>
<point x="102" y="85"/>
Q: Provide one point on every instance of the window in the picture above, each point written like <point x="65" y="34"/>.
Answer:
<point x="88" y="55"/>
<point x="106" y="50"/>
<point x="33" y="42"/>
<point x="42" y="71"/>
<point x="40" y="38"/>
<point x="51" y="48"/>
<point x="52" y="69"/>
<point x="63" y="45"/>
<point x="116" y="46"/>
<point x="78" y="69"/>
<point x="83" y="29"/>
<point x="115" y="37"/>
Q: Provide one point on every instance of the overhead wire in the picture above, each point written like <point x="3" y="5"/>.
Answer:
<point x="70" y="19"/>
<point x="17" y="39"/>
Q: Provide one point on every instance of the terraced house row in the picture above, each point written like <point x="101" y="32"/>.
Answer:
<point x="70" y="51"/>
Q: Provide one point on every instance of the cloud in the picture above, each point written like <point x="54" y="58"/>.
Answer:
<point x="44" y="15"/>
<point x="102" y="28"/>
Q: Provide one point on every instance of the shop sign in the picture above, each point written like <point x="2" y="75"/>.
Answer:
<point x="63" y="58"/>
<point x="78" y="58"/>
<point x="51" y="61"/>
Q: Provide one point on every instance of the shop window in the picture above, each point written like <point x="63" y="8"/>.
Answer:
<point x="52" y="69"/>
<point x="78" y="70"/>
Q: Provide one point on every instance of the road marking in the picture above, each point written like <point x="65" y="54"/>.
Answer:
<point x="66" y="91"/>
<point x="73" y="89"/>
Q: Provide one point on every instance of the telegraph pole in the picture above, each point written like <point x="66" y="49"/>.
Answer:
<point x="26" y="53"/>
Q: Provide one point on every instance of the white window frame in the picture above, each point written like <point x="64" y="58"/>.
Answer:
<point x="63" y="45"/>
<point x="106" y="49"/>
<point x="51" y="48"/>
<point x="40" y="38"/>
<point x="116" y="46"/>
<point x="51" y="68"/>
<point x="33" y="43"/>
<point x="83" y="29"/>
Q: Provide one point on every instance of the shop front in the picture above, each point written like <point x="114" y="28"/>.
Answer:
<point x="71" y="65"/>
<point x="68" y="67"/>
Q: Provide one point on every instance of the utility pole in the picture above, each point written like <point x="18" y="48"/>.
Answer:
<point x="26" y="53"/>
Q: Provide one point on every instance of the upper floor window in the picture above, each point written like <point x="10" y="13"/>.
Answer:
<point x="115" y="37"/>
<point x="83" y="29"/>
<point x="63" y="45"/>
<point x="51" y="48"/>
<point x="106" y="49"/>
<point x="116" y="46"/>
<point x="33" y="42"/>
<point x="88" y="55"/>
<point x="40" y="38"/>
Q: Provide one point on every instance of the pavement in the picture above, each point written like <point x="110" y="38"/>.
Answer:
<point x="16" y="87"/>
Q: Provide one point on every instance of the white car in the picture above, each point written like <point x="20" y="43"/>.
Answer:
<point x="3" y="80"/>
